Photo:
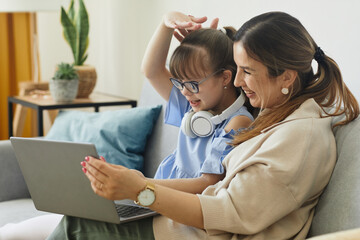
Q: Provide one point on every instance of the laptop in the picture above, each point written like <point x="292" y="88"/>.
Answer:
<point x="56" y="183"/>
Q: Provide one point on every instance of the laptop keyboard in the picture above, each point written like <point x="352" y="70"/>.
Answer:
<point x="130" y="211"/>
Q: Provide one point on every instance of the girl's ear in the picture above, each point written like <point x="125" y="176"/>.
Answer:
<point x="288" y="78"/>
<point x="227" y="74"/>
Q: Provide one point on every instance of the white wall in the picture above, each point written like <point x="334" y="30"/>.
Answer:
<point x="120" y="30"/>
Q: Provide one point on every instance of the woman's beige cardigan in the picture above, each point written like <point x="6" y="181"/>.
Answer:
<point x="272" y="183"/>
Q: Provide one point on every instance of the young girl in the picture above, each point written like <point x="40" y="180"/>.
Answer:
<point x="279" y="167"/>
<point x="201" y="82"/>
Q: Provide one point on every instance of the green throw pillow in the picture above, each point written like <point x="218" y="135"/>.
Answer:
<point x="119" y="136"/>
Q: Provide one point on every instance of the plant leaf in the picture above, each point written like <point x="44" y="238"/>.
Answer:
<point x="65" y="71"/>
<point x="82" y="24"/>
<point x="71" y="12"/>
<point x="83" y="59"/>
<point x="69" y="31"/>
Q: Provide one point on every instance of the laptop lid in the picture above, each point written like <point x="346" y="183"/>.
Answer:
<point x="56" y="183"/>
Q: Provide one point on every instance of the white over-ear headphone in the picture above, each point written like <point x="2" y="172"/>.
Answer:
<point x="202" y="123"/>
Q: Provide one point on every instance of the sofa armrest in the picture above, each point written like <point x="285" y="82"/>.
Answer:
<point x="352" y="234"/>
<point x="12" y="183"/>
<point x="338" y="207"/>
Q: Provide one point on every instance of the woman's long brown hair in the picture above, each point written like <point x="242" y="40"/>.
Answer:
<point x="280" y="42"/>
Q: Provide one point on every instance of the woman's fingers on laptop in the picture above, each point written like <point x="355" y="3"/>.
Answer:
<point x="95" y="168"/>
<point x="98" y="173"/>
<point x="94" y="173"/>
<point x="113" y="181"/>
<point x="87" y="158"/>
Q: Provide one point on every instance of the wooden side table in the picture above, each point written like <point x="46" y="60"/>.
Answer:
<point x="96" y="100"/>
<point x="26" y="89"/>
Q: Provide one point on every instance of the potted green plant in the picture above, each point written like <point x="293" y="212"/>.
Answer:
<point x="75" y="24"/>
<point x="64" y="85"/>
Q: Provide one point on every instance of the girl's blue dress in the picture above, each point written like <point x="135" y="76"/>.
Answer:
<point x="194" y="156"/>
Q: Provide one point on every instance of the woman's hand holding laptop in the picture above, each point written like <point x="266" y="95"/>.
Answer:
<point x="106" y="178"/>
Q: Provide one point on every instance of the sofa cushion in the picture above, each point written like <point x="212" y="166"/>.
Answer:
<point x="338" y="207"/>
<point x="18" y="210"/>
<point x="12" y="183"/>
<point x="120" y="136"/>
<point x="163" y="139"/>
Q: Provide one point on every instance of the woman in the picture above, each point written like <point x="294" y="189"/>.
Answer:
<point x="280" y="165"/>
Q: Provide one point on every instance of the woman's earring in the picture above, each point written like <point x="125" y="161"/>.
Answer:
<point x="225" y="87"/>
<point x="285" y="91"/>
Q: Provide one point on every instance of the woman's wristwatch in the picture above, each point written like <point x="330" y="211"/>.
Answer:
<point x="146" y="197"/>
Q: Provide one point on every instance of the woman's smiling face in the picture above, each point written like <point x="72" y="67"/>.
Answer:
<point x="252" y="76"/>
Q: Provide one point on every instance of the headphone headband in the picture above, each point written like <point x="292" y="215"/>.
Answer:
<point x="202" y="123"/>
<point x="230" y="110"/>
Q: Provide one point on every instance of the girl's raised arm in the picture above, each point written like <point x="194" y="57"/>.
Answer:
<point x="154" y="61"/>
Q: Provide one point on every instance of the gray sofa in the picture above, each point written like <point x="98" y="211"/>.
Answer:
<point x="338" y="208"/>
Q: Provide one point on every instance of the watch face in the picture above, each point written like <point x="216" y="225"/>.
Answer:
<point x="146" y="197"/>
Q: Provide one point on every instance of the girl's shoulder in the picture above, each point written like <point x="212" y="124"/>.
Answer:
<point x="243" y="111"/>
<point x="242" y="118"/>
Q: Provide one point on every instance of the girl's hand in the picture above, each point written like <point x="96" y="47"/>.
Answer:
<point x="113" y="182"/>
<point x="177" y="20"/>
<point x="184" y="24"/>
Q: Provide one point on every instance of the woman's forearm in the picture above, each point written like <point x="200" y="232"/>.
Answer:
<point x="118" y="182"/>
<point x="179" y="206"/>
<point x="190" y="185"/>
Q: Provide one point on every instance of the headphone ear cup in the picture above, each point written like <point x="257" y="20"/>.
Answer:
<point x="201" y="124"/>
<point x="186" y="124"/>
